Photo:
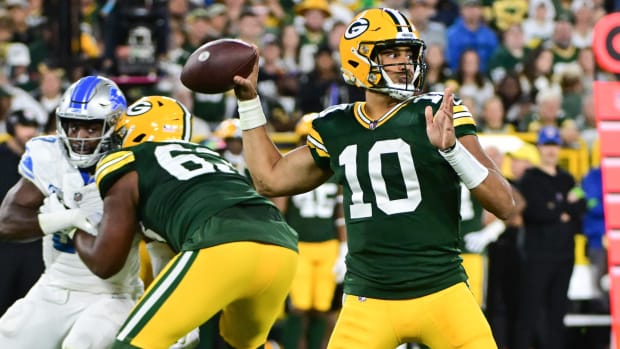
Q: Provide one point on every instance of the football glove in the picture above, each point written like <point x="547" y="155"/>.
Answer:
<point x="56" y="217"/>
<point x="340" y="268"/>
<point x="477" y="241"/>
<point x="87" y="199"/>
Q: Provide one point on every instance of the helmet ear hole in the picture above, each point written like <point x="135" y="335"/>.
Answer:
<point x="354" y="64"/>
<point x="139" y="138"/>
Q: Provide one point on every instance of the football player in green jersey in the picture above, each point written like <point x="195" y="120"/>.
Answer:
<point x="400" y="157"/>
<point x="235" y="252"/>
<point x="317" y="217"/>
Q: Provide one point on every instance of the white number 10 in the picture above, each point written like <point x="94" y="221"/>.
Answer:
<point x="360" y="209"/>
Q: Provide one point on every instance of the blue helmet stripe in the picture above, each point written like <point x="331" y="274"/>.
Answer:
<point x="83" y="92"/>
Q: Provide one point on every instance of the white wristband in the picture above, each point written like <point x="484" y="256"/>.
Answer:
<point x="251" y="114"/>
<point x="470" y="170"/>
<point x="56" y="221"/>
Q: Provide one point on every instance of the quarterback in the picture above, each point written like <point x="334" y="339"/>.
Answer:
<point x="400" y="157"/>
<point x="69" y="306"/>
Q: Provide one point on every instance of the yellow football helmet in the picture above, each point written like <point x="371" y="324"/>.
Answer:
<point x="304" y="125"/>
<point x="368" y="33"/>
<point x="229" y="128"/>
<point x="154" y="119"/>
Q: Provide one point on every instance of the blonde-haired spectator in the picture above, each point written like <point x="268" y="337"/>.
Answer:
<point x="494" y="117"/>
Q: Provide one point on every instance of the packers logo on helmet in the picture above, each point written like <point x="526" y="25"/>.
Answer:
<point x="370" y="32"/>
<point x="154" y="119"/>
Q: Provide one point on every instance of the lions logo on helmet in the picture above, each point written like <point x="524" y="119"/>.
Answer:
<point x="90" y="99"/>
<point x="154" y="119"/>
<point x="370" y="32"/>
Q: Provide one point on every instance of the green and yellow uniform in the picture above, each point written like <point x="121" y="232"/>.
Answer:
<point x="229" y="237"/>
<point x="401" y="203"/>
<point x="312" y="215"/>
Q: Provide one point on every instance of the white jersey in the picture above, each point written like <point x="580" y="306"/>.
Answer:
<point x="46" y="166"/>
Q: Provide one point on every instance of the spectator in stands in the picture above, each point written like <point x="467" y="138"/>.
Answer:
<point x="561" y="45"/>
<point x="49" y="92"/>
<point x="420" y="13"/>
<point x="493" y="117"/>
<point x="584" y="23"/>
<point x="290" y="41"/>
<point x="470" y="32"/>
<point x="551" y="218"/>
<point x="587" y="121"/>
<point x="510" y="55"/>
<point x="538" y="27"/>
<point x="17" y="63"/>
<point x="312" y="33"/>
<point x="446" y="11"/>
<point x="470" y="81"/>
<point x="250" y="27"/>
<point x="323" y="86"/>
<point x="548" y="110"/>
<point x="516" y="104"/>
<point x="198" y="29"/>
<point x="217" y="21"/>
<point x="438" y="71"/>
<point x="569" y="79"/>
<point x="538" y="70"/>
<point x="21" y="264"/>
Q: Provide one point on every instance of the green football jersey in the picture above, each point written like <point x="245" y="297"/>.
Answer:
<point x="312" y="214"/>
<point x="191" y="198"/>
<point x="471" y="214"/>
<point x="401" y="198"/>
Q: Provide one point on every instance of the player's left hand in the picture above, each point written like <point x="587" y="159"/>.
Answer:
<point x="440" y="127"/>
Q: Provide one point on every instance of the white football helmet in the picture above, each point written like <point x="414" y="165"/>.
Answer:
<point x="92" y="98"/>
<point x="368" y="33"/>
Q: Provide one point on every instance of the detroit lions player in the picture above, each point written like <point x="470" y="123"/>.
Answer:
<point x="69" y="306"/>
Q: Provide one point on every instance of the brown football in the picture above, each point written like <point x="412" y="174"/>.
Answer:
<point x="212" y="66"/>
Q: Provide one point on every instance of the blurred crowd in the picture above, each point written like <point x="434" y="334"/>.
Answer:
<point x="517" y="64"/>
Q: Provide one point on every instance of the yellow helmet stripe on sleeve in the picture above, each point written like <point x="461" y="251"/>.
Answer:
<point x="113" y="162"/>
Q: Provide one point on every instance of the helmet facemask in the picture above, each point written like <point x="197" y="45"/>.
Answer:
<point x="370" y="32"/>
<point x="90" y="100"/>
<point x="415" y="70"/>
<point x="82" y="151"/>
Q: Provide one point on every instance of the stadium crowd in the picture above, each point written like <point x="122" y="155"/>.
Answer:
<point x="519" y="66"/>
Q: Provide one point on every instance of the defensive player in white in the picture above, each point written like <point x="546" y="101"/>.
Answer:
<point x="69" y="307"/>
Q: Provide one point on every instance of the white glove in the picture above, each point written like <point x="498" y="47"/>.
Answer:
<point x="340" y="268"/>
<point x="477" y="241"/>
<point x="188" y="341"/>
<point x="87" y="199"/>
<point x="56" y="217"/>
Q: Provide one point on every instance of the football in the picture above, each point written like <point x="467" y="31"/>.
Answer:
<point x="212" y="66"/>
